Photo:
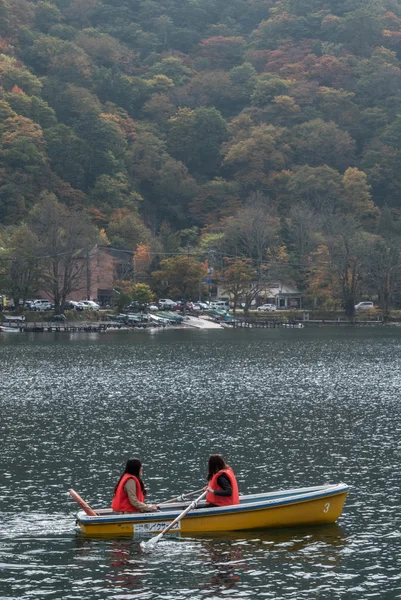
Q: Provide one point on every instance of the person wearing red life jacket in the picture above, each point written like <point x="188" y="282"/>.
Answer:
<point x="130" y="492"/>
<point x="222" y="489"/>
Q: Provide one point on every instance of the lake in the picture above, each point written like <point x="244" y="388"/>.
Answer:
<point x="286" y="408"/>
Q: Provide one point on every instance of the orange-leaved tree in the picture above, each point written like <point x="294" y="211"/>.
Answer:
<point x="237" y="277"/>
<point x="142" y="259"/>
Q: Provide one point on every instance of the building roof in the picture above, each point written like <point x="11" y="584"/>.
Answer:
<point x="282" y="289"/>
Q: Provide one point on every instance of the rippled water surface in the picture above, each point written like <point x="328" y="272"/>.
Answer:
<point x="286" y="407"/>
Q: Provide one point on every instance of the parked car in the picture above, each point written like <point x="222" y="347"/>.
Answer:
<point x="41" y="305"/>
<point x="70" y="304"/>
<point x="364" y="306"/>
<point x="153" y="307"/>
<point x="267" y="307"/>
<point x="136" y="306"/>
<point x="87" y="305"/>
<point x="167" y="303"/>
<point x="186" y="306"/>
<point x="61" y="318"/>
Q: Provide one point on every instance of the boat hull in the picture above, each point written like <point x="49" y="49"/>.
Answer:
<point x="269" y="511"/>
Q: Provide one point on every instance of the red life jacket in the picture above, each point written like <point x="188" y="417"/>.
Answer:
<point x="223" y="500"/>
<point x="120" y="500"/>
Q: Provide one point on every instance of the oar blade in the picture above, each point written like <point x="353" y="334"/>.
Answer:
<point x="152" y="542"/>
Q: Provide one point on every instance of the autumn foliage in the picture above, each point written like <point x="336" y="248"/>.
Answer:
<point x="164" y="119"/>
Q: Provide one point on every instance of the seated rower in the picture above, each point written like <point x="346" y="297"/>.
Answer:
<point x="222" y="489"/>
<point x="130" y="491"/>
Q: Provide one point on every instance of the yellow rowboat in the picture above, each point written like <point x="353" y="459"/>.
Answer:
<point x="286" y="508"/>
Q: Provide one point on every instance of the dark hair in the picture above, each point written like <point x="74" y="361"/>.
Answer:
<point x="133" y="467"/>
<point x="216" y="463"/>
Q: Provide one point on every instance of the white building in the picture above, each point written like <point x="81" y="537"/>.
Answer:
<point x="282" y="295"/>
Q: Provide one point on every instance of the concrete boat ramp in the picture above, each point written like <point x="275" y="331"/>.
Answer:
<point x="200" y="323"/>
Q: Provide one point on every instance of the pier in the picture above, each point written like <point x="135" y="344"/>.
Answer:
<point x="266" y="323"/>
<point x="259" y="323"/>
<point x="75" y="326"/>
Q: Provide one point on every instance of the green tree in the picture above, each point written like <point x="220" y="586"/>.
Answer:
<point x="195" y="136"/>
<point x="74" y="102"/>
<point x="360" y="30"/>
<point x="67" y="153"/>
<point x="127" y="91"/>
<point x="142" y="293"/>
<point x="319" y="143"/>
<point x="32" y="107"/>
<point x="56" y="57"/>
<point x="175" y="188"/>
<point x="319" y="188"/>
<point x="252" y="157"/>
<point x="106" y="145"/>
<point x="46" y="15"/>
<point x="243" y="75"/>
<point x="126" y="230"/>
<point x="174" y="68"/>
<point x="169" y="240"/>
<point x="267" y="87"/>
<point x="110" y="193"/>
<point x="13" y="73"/>
<point x="180" y="277"/>
<point x="357" y="199"/>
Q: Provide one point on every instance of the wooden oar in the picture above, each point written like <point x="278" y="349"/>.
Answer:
<point x="149" y="545"/>
<point x="183" y="497"/>
<point x="89" y="511"/>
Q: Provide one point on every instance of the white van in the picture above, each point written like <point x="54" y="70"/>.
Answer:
<point x="364" y="306"/>
<point x="87" y="305"/>
<point x="41" y="305"/>
<point x="167" y="303"/>
<point x="220" y="305"/>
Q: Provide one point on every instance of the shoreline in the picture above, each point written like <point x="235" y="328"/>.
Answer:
<point x="202" y="325"/>
<point x="96" y="322"/>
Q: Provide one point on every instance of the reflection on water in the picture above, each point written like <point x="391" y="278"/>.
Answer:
<point x="223" y="559"/>
<point x="124" y="568"/>
<point x="224" y="564"/>
<point x="287" y="408"/>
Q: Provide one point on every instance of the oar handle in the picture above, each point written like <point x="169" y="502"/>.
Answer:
<point x="189" y="494"/>
<point x="183" y="497"/>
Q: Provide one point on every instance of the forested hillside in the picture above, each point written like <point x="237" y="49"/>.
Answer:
<point x="268" y="130"/>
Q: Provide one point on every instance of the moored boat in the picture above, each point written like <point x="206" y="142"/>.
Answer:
<point x="285" y="508"/>
<point x="172" y="317"/>
<point x="159" y="320"/>
<point x="8" y="329"/>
